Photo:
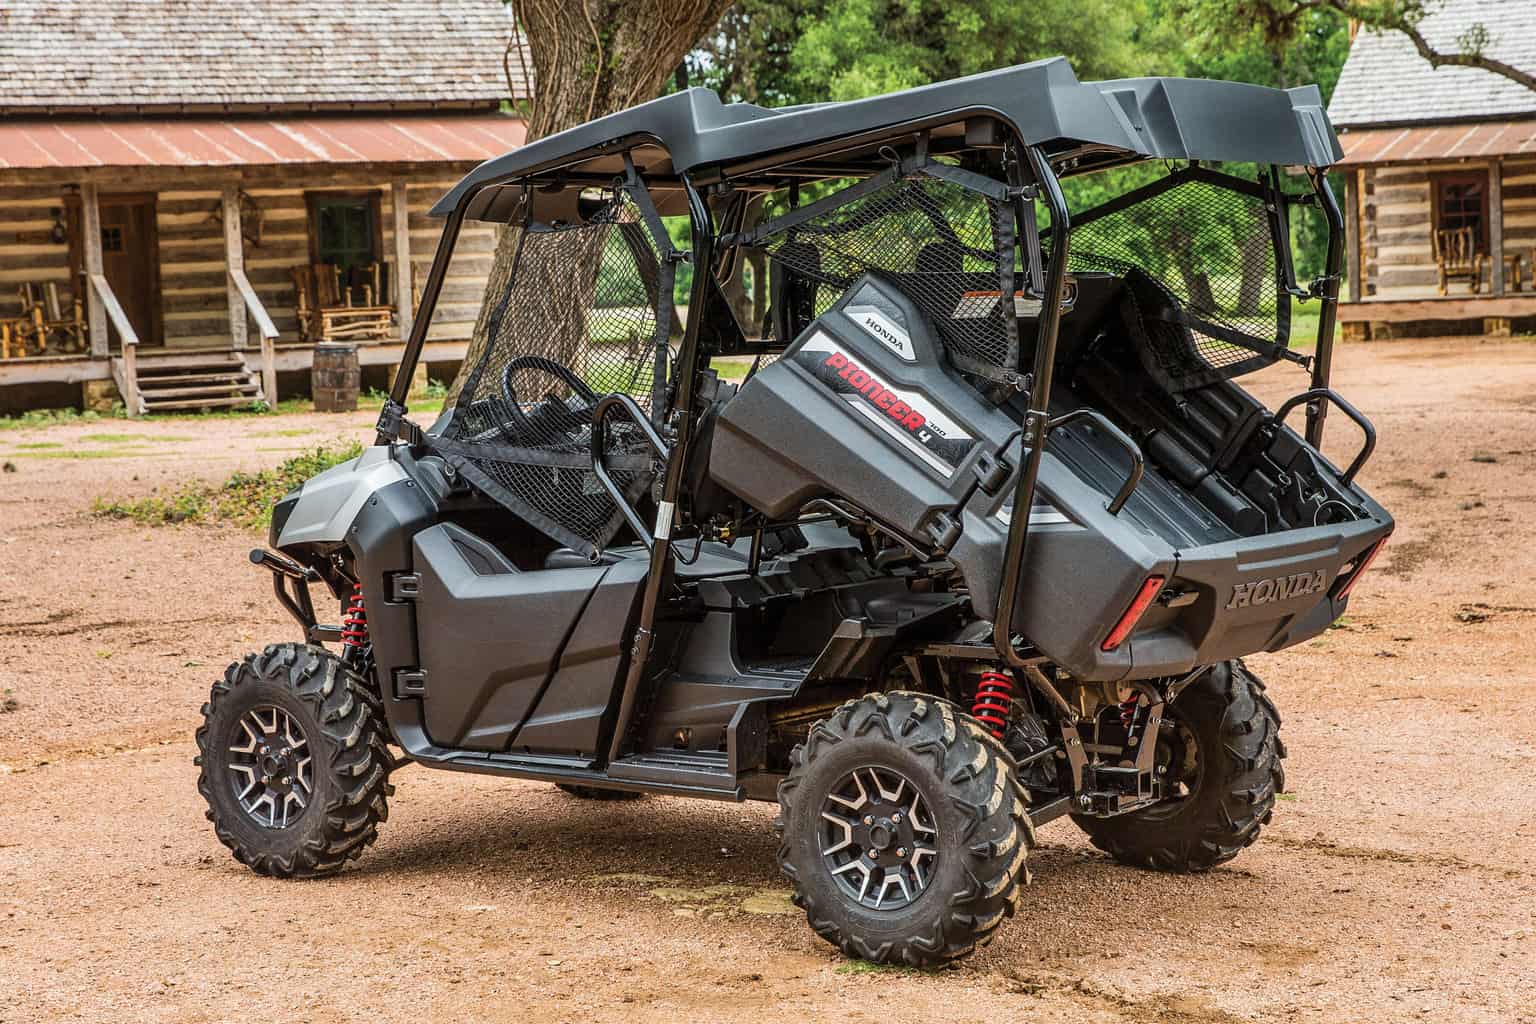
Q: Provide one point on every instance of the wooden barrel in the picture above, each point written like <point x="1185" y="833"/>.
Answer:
<point x="334" y="378"/>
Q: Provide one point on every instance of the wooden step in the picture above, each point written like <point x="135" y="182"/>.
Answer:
<point x="205" y="391"/>
<point x="193" y="378"/>
<point x="170" y="364"/>
<point x="199" y="403"/>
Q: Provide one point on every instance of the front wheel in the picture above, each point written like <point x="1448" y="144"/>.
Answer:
<point x="295" y="767"/>
<point x="1219" y="752"/>
<point x="904" y="830"/>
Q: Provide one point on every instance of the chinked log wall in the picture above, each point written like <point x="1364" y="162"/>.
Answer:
<point x="1397" y="257"/>
<point x="193" y="273"/>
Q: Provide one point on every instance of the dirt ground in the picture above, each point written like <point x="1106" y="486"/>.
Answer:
<point x="1396" y="883"/>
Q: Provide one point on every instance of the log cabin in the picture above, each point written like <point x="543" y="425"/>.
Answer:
<point x="1440" y="178"/>
<point x="192" y="195"/>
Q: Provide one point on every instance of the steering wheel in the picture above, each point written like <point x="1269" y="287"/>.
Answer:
<point x="553" y="413"/>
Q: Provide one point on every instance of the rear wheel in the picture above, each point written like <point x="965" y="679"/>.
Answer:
<point x="904" y="830"/>
<point x="1219" y="750"/>
<point x="295" y="767"/>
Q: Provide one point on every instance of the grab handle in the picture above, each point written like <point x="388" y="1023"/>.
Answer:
<point x="1138" y="461"/>
<point x="1365" y="425"/>
<point x="599" y="444"/>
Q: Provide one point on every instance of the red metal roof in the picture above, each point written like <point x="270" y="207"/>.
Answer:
<point x="1437" y="142"/>
<point x="198" y="142"/>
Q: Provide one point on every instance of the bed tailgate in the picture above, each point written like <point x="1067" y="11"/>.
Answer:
<point x="1253" y="594"/>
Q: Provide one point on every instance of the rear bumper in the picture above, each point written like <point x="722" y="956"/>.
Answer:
<point x="1257" y="594"/>
<point x="1083" y="568"/>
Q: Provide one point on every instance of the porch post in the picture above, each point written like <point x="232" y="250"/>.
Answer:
<point x="90" y="226"/>
<point x="1496" y="224"/>
<point x="400" y="205"/>
<point x="234" y="260"/>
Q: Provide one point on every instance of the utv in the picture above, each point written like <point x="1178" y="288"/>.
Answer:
<point x="830" y="455"/>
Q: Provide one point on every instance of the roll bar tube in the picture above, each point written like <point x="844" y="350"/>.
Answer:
<point x="1037" y="414"/>
<point x="1327" y="321"/>
<point x="684" y="373"/>
<point x="400" y="389"/>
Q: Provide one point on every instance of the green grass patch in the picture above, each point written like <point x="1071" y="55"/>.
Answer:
<point x="34" y="418"/>
<point x="37" y="418"/>
<point x="245" y="499"/>
<point x="41" y="444"/>
<point x="287" y="432"/>
<point x="87" y="453"/>
<point x="110" y="438"/>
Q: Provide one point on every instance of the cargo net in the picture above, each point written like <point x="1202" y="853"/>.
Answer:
<point x="936" y="240"/>
<point x="1202" y="282"/>
<point x="587" y="313"/>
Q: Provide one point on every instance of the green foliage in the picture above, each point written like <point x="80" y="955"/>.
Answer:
<point x="245" y="499"/>
<point x="775" y="53"/>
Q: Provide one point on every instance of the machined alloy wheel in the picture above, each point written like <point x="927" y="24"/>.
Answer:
<point x="271" y="767"/>
<point x="904" y="830"/>
<point x="880" y="841"/>
<point x="294" y="761"/>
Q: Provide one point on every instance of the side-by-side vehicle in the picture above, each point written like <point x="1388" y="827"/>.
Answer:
<point x="886" y="459"/>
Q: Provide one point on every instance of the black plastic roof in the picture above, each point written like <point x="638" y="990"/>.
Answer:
<point x="1169" y="118"/>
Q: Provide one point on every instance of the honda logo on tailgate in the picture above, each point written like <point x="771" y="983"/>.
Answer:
<point x="1280" y="588"/>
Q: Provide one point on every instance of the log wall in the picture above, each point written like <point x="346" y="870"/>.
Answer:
<point x="1396" y="254"/>
<point x="193" y="292"/>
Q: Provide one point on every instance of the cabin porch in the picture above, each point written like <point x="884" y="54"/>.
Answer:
<point x="171" y="286"/>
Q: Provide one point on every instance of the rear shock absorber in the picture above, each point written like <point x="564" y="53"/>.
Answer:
<point x="994" y="699"/>
<point x="1128" y="710"/>
<point x="354" y="624"/>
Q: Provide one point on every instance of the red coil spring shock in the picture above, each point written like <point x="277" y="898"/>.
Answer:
<point x="994" y="697"/>
<point x="1128" y="710"/>
<point x="354" y="624"/>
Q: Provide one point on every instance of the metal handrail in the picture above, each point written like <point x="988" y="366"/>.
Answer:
<point x="1138" y="461"/>
<point x="1316" y="395"/>
<point x="599" y="443"/>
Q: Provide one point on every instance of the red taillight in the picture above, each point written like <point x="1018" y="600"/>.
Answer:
<point x="1359" y="570"/>
<point x="1133" y="614"/>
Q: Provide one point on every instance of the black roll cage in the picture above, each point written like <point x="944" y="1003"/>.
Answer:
<point x="1037" y="180"/>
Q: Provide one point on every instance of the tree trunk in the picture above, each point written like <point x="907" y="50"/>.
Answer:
<point x="591" y="58"/>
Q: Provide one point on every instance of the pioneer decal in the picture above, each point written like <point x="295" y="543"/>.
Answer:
<point x="1280" y="588"/>
<point x="908" y="416"/>
<point x="883" y="328"/>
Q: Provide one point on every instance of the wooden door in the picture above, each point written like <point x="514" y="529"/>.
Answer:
<point x="130" y="257"/>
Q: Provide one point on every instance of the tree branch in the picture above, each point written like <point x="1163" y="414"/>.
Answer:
<point x="1436" y="58"/>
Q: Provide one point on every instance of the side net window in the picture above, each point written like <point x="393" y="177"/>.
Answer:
<point x="1198" y="254"/>
<point x="948" y="246"/>
<point x="586" y="312"/>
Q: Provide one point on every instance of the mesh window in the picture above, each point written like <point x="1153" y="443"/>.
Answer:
<point x="937" y="240"/>
<point x="587" y="313"/>
<point x="1199" y="259"/>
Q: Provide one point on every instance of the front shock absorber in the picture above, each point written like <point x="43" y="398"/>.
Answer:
<point x="354" y="624"/>
<point x="994" y="700"/>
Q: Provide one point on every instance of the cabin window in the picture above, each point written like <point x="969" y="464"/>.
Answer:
<point x="1461" y="201"/>
<point x="344" y="228"/>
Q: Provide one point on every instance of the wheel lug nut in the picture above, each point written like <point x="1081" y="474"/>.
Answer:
<point x="869" y="819"/>
<point x="896" y="817"/>
<point x="901" y="851"/>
